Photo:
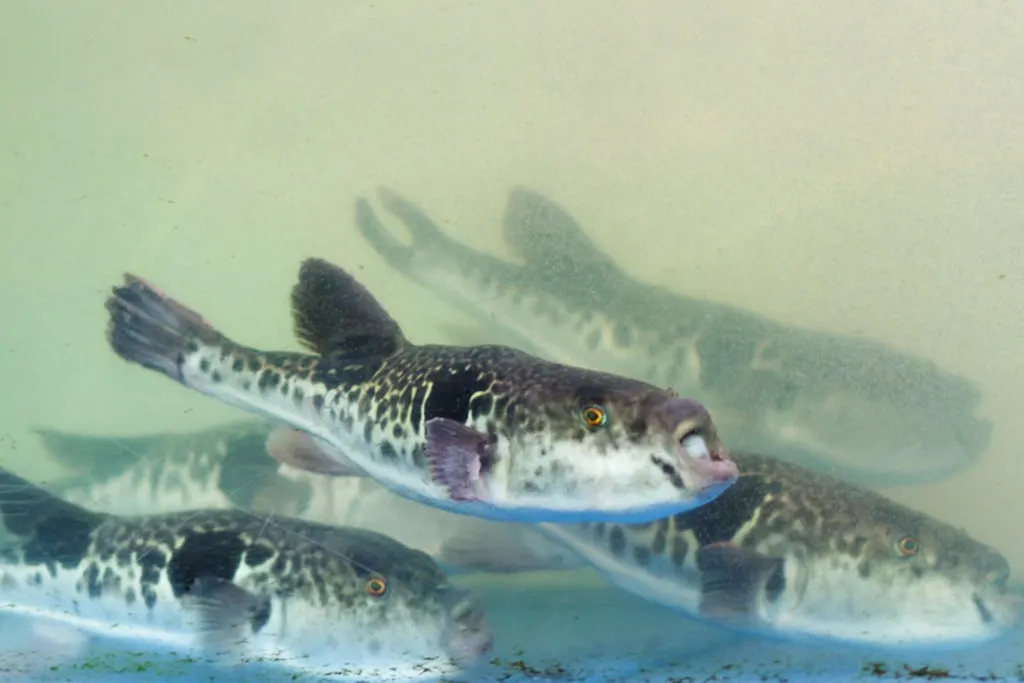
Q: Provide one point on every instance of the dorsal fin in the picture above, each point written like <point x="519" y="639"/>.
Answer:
<point x="335" y="315"/>
<point x="546" y="237"/>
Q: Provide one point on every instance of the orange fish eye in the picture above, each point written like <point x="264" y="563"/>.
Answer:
<point x="908" y="546"/>
<point x="376" y="586"/>
<point x="594" y="416"/>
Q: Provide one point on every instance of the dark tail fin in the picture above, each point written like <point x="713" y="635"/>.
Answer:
<point x="424" y="232"/>
<point x="32" y="514"/>
<point x="429" y="242"/>
<point x="152" y="329"/>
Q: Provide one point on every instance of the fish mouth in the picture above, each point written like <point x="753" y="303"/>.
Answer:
<point x="1002" y="610"/>
<point x="469" y="635"/>
<point x="702" y="462"/>
<point x="709" y="463"/>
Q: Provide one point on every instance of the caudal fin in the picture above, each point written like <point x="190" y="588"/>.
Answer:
<point x="424" y="232"/>
<point x="27" y="511"/>
<point x="153" y="330"/>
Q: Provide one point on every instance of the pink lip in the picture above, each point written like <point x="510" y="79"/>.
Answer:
<point x="719" y="468"/>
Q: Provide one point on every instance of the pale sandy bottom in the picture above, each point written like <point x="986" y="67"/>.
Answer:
<point x="566" y="628"/>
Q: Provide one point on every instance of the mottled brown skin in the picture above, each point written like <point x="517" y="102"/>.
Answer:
<point x="565" y="292"/>
<point x="364" y="379"/>
<point x="796" y="506"/>
<point x="508" y="389"/>
<point x="129" y="556"/>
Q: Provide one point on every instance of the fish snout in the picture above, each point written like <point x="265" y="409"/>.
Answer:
<point x="703" y="461"/>
<point x="997" y="574"/>
<point x="470" y="635"/>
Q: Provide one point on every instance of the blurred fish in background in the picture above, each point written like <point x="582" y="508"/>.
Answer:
<point x="228" y="466"/>
<point x="853" y="408"/>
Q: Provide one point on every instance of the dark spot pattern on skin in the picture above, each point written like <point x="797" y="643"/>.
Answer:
<point x="450" y="394"/>
<point x="215" y="554"/>
<point x="258" y="554"/>
<point x="617" y="541"/>
<point x="416" y="409"/>
<point x="725" y="516"/>
<point x="92" y="581"/>
<point x="658" y="546"/>
<point x="679" y="551"/>
<point x="268" y="379"/>
<point x="387" y="451"/>
<point x="482" y="404"/>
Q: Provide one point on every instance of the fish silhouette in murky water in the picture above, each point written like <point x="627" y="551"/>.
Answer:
<point x="229" y="586"/>
<point x="228" y="466"/>
<point x="785" y="552"/>
<point x="843" y="405"/>
<point x="487" y="431"/>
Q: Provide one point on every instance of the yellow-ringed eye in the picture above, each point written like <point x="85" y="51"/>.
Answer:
<point x="908" y="546"/>
<point x="594" y="416"/>
<point x="376" y="586"/>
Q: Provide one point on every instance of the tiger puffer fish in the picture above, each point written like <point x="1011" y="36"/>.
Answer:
<point x="228" y="586"/>
<point x="785" y="552"/>
<point x="227" y="466"/>
<point x="843" y="405"/>
<point x="484" y="431"/>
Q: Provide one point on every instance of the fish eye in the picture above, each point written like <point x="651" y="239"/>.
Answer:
<point x="376" y="586"/>
<point x="908" y="546"/>
<point x="594" y="415"/>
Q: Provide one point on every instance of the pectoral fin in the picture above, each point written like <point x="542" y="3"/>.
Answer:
<point x="459" y="456"/>
<point x="303" y="451"/>
<point x="225" y="613"/>
<point x="734" y="580"/>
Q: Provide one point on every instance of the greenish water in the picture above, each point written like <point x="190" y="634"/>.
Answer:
<point x="851" y="169"/>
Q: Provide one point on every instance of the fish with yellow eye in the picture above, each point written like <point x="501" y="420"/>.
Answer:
<point x="485" y="431"/>
<point x="785" y="552"/>
<point x="230" y="586"/>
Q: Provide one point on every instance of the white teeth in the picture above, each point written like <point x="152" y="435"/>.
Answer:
<point x="696" y="447"/>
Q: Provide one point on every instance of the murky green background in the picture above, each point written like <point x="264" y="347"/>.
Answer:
<point x="855" y="167"/>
